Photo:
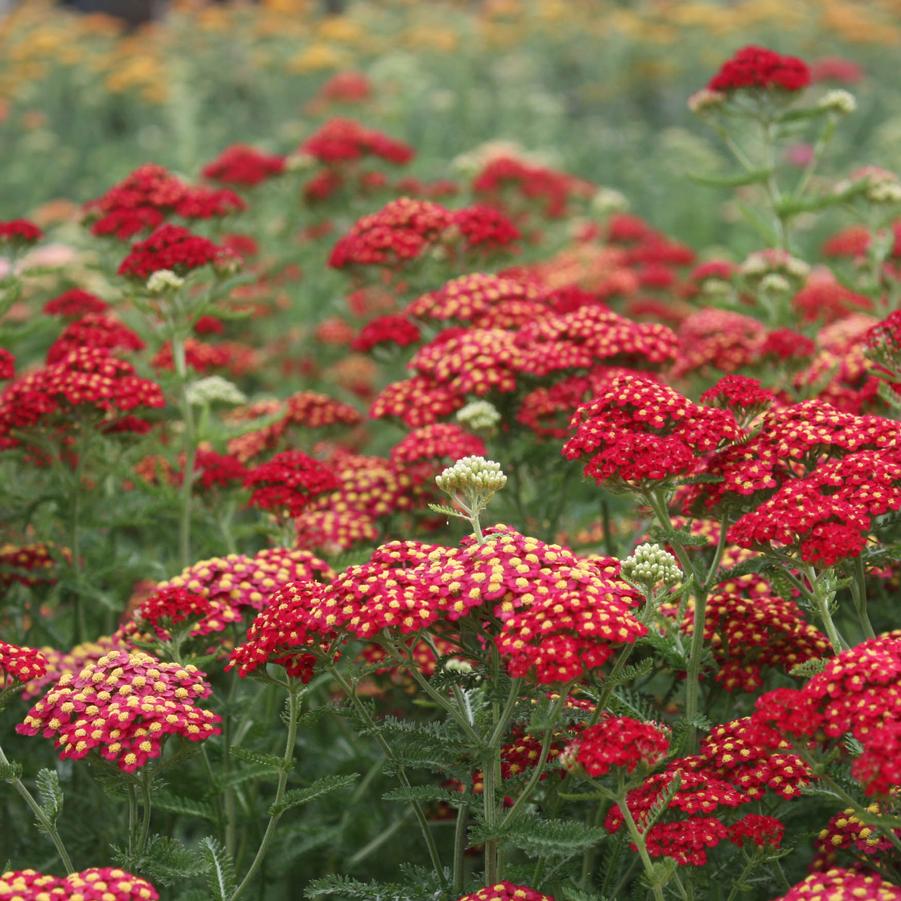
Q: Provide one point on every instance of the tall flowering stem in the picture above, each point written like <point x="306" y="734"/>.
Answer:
<point x="295" y="696"/>
<point x="188" y="445"/>
<point x="702" y="582"/>
<point x="351" y="694"/>
<point x="45" y="823"/>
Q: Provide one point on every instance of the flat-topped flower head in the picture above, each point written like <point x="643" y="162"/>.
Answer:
<point x="279" y="633"/>
<point x="169" y="247"/>
<point x="619" y="741"/>
<point x="94" y="884"/>
<point x="214" y="390"/>
<point x="123" y="706"/>
<point x="839" y="884"/>
<point x="288" y="482"/>
<point x="759" y="68"/>
<point x="18" y="664"/>
<point x="637" y="431"/>
<point x="239" y="582"/>
<point x="19" y="233"/>
<point x="506" y="891"/>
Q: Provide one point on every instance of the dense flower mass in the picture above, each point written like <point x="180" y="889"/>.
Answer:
<point x="279" y="633"/>
<point x="757" y="67"/>
<point x="620" y="741"/>
<point x="94" y="884"/>
<point x="86" y="378"/>
<point x="20" y="664"/>
<point x="506" y="891"/>
<point x="288" y="481"/>
<point x="237" y="582"/>
<point x="857" y="693"/>
<point x="344" y="140"/>
<point x="839" y="884"/>
<point x="638" y="431"/>
<point x="123" y="706"/>
<point x="75" y="303"/>
<point x="19" y="231"/>
<point x="169" y="247"/>
<point x="242" y="165"/>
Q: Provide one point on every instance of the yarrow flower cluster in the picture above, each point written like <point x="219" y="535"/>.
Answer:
<point x="94" y="884"/>
<point x="638" y="431"/>
<point x="86" y="378"/>
<point x="756" y="67"/>
<point x="19" y="232"/>
<point x="169" y="247"/>
<point x="839" y="884"/>
<point x="287" y="482"/>
<point x="244" y="166"/>
<point x="123" y="706"/>
<point x="506" y="891"/>
<point x="19" y="664"/>
<point x="237" y="582"/>
<point x="619" y="741"/>
<point x="857" y="693"/>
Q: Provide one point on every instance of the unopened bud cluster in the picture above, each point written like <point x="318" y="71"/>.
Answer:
<point x="164" y="281"/>
<point x="480" y="416"/>
<point x="212" y="390"/>
<point x="838" y="101"/>
<point x="472" y="476"/>
<point x="649" y="565"/>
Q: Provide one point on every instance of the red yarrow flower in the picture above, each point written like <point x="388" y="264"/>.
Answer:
<point x="288" y="482"/>
<point x="19" y="232"/>
<point x="757" y="67"/>
<point x="123" y="706"/>
<point x="18" y="664"/>
<point x="506" y="891"/>
<point x="169" y="247"/>
<point x="94" y="884"/>
<point x="75" y="303"/>
<point x="839" y="884"/>
<point x="620" y="741"/>
<point x="243" y="165"/>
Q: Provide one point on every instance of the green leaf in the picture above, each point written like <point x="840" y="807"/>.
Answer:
<point x="50" y="793"/>
<point x="220" y="869"/>
<point x="239" y="777"/>
<point x="10" y="771"/>
<point x="259" y="759"/>
<point x="320" y="787"/>
<point x="537" y="836"/>
<point x="446" y="511"/>
<point x="185" y="806"/>
<point x="347" y="889"/>
<point x="730" y="181"/>
<point x="809" y="668"/>
<point x="425" y="793"/>
<point x="660" y="805"/>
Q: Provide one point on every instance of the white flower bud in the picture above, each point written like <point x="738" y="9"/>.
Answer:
<point x="479" y="416"/>
<point x="214" y="389"/>
<point x="472" y="476"/>
<point x="164" y="281"/>
<point x="649" y="565"/>
<point x="838" y="101"/>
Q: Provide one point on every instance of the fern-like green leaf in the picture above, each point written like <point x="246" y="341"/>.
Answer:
<point x="345" y="889"/>
<point x="320" y="787"/>
<point x="537" y="836"/>
<point x="221" y="878"/>
<point x="425" y="793"/>
<point x="50" y="793"/>
<point x="184" y="806"/>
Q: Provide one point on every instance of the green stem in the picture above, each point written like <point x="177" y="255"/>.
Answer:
<point x="401" y="771"/>
<point x="534" y="779"/>
<point x="147" y="804"/>
<point x="46" y="825"/>
<point x="189" y="448"/>
<point x="132" y="818"/>
<point x="460" y="845"/>
<point x="859" y="594"/>
<point x="641" y="845"/>
<point x="294" y="697"/>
